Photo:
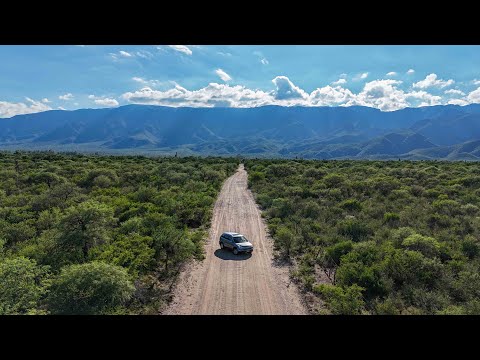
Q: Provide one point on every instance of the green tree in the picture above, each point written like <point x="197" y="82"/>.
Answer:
<point x="172" y="245"/>
<point x="22" y="285"/>
<point x="86" y="225"/>
<point x="90" y="288"/>
<point x="131" y="251"/>
<point x="285" y="240"/>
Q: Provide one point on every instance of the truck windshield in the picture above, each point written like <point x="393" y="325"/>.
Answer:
<point x="240" y="239"/>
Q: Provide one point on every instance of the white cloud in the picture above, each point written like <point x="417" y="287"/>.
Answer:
<point x="426" y="99"/>
<point x="286" y="90"/>
<point x="214" y="94"/>
<point x="328" y="96"/>
<point x="391" y="73"/>
<point x="460" y="102"/>
<point x="454" y="92"/>
<point x="61" y="108"/>
<point x="224" y="53"/>
<point x="474" y="96"/>
<point x="476" y="82"/>
<point x="144" y="54"/>
<point x="66" y="97"/>
<point x="432" y="81"/>
<point x="125" y="54"/>
<point x="8" y="109"/>
<point x="139" y="79"/>
<point x="361" y="76"/>
<point x="383" y="94"/>
<point x="151" y="82"/>
<point x="45" y="100"/>
<point x="223" y="75"/>
<point x="181" y="48"/>
<point x="106" y="102"/>
<point x="343" y="76"/>
<point x="102" y="100"/>
<point x="410" y="72"/>
<point x="261" y="57"/>
<point x="339" y="82"/>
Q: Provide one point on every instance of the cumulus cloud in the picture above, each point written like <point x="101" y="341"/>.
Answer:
<point x="328" y="96"/>
<point x="476" y="82"/>
<point x="460" y="102"/>
<point x="391" y="73"/>
<point x="213" y="95"/>
<point x="45" y="100"/>
<point x="181" y="48"/>
<point x="223" y="75"/>
<point x="286" y="90"/>
<point x="125" y="54"/>
<point x="383" y="94"/>
<point x="432" y="81"/>
<point x="264" y="61"/>
<point x="426" y="98"/>
<point x="103" y="101"/>
<point x="454" y="92"/>
<point x="339" y="82"/>
<point x="474" y="96"/>
<point x="410" y="72"/>
<point x="9" y="109"/>
<point x="106" y="102"/>
<point x="66" y="97"/>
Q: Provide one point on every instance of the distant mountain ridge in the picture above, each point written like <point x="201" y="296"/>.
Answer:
<point x="435" y="132"/>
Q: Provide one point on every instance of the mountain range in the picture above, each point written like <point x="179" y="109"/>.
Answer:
<point x="436" y="132"/>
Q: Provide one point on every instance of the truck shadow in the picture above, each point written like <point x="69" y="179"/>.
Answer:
<point x="228" y="255"/>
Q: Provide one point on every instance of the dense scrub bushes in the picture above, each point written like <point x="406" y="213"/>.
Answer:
<point x="97" y="234"/>
<point x="377" y="237"/>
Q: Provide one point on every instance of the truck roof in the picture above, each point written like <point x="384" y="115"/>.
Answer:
<point x="232" y="233"/>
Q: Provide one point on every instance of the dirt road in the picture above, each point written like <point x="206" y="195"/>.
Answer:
<point x="243" y="284"/>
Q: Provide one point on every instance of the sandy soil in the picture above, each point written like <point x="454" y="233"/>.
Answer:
<point x="224" y="283"/>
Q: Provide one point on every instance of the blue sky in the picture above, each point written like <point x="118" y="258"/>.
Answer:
<point x="38" y="78"/>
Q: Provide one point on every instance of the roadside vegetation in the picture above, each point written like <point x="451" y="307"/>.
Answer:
<point x="87" y="234"/>
<point x="376" y="237"/>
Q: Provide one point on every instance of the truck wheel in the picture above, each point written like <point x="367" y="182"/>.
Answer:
<point x="235" y="251"/>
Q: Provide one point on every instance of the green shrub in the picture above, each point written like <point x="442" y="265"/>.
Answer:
<point x="342" y="301"/>
<point x="23" y="284"/>
<point x="91" y="288"/>
<point x="351" y="205"/>
<point x="354" y="230"/>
